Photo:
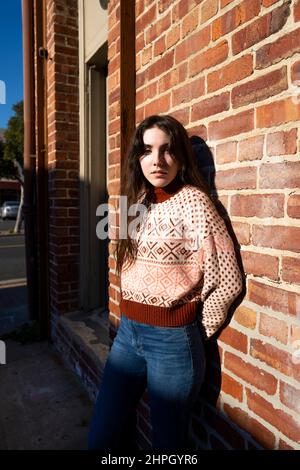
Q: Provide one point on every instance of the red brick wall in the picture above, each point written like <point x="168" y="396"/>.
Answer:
<point x="227" y="70"/>
<point x="63" y="154"/>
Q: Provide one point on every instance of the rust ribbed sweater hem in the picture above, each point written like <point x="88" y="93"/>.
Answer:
<point x="179" y="315"/>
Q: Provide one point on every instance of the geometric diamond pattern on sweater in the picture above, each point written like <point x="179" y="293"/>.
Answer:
<point x="184" y="255"/>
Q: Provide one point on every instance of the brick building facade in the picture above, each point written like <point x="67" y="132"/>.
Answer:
<point x="229" y="70"/>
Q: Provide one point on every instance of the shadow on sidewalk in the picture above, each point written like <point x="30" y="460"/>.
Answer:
<point x="13" y="307"/>
<point x="44" y="406"/>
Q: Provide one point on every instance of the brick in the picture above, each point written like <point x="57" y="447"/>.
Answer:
<point x="282" y="445"/>
<point x="242" y="232"/>
<point x="159" y="46"/>
<point x="261" y="88"/>
<point x="257" y="430"/>
<point x="250" y="35"/>
<point x="281" y="420"/>
<point x="144" y="20"/>
<point x="192" y="44"/>
<point x="289" y="396"/>
<point x="172" y="36"/>
<point x="205" y="60"/>
<point x="282" y="143"/>
<point x="297" y="11"/>
<point x="164" y="64"/>
<point x="260" y="265"/>
<point x="231" y="73"/>
<point x="251" y="148"/>
<point x="282" y="48"/>
<point x="157" y="28"/>
<point x="180" y="10"/>
<point x="232" y="387"/>
<point x="260" y="29"/>
<point x="172" y="78"/>
<point x="237" y="178"/>
<point x="275" y="357"/>
<point x="268" y="3"/>
<point x="146" y="93"/>
<point x="188" y="91"/>
<point x="210" y="106"/>
<point x="287" y="238"/>
<point x="190" y="22"/>
<point x="182" y="115"/>
<point x="295" y="336"/>
<point x="208" y="9"/>
<point x="163" y="5"/>
<point x="279" y="175"/>
<point x="160" y="105"/>
<point x="224" y="3"/>
<point x="250" y="374"/>
<point x="257" y="205"/>
<point x="232" y="125"/>
<point x="290" y="270"/>
<point x="295" y="74"/>
<point x="235" y="17"/>
<point x="147" y="55"/>
<point x="293" y="206"/>
<point x="199" y="130"/>
<point x="245" y="317"/>
<point x="224" y="429"/>
<point x="226" y="152"/>
<point x="273" y="328"/>
<point x="234" y="338"/>
<point x="277" y="299"/>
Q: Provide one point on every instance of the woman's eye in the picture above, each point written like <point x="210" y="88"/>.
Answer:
<point x="148" y="151"/>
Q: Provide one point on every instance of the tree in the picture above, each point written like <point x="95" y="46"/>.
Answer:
<point x="11" y="158"/>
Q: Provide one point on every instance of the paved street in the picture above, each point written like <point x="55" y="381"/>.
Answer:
<point x="12" y="253"/>
<point x="13" y="289"/>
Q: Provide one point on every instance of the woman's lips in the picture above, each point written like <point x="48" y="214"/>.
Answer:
<point x="159" y="173"/>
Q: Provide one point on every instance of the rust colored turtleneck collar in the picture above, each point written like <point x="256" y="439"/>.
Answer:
<point x="162" y="194"/>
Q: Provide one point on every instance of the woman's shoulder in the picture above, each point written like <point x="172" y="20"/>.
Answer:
<point x="194" y="195"/>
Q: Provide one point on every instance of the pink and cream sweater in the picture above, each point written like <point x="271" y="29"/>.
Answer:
<point x="186" y="264"/>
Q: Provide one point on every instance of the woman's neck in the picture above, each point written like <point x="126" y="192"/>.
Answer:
<point x="161" y="194"/>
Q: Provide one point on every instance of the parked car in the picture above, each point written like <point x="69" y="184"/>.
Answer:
<point x="9" y="210"/>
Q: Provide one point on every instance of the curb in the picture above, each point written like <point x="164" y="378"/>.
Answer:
<point x="6" y="233"/>
<point x="13" y="283"/>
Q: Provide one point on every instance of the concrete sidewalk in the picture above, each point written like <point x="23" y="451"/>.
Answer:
<point x="43" y="405"/>
<point x="13" y="305"/>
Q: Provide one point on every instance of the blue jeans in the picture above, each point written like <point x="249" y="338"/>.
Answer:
<point x="168" y="361"/>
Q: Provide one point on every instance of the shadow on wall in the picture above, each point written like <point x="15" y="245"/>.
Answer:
<point x="212" y="383"/>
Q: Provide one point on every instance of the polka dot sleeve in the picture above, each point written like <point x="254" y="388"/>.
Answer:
<point x="222" y="276"/>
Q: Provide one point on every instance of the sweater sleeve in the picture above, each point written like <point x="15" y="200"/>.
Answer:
<point x="222" y="277"/>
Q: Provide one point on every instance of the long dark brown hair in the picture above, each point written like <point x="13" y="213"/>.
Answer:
<point x="133" y="182"/>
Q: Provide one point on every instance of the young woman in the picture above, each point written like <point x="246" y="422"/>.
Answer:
<point x="179" y="275"/>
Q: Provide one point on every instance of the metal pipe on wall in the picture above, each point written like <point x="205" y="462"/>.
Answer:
<point x="29" y="207"/>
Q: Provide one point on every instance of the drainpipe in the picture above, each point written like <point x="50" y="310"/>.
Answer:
<point x="42" y="166"/>
<point x="29" y="159"/>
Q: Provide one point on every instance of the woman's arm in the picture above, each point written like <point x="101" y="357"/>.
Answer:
<point x="222" y="276"/>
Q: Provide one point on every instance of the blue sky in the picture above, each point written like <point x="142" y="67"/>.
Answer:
<point x="11" y="56"/>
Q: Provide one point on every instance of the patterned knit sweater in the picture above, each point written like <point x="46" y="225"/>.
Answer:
<point x="186" y="265"/>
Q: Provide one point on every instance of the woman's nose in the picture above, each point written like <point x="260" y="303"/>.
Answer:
<point x="158" y="157"/>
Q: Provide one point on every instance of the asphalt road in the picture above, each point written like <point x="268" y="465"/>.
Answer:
<point x="12" y="256"/>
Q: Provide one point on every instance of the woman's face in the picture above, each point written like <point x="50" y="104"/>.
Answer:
<point x="158" y="166"/>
